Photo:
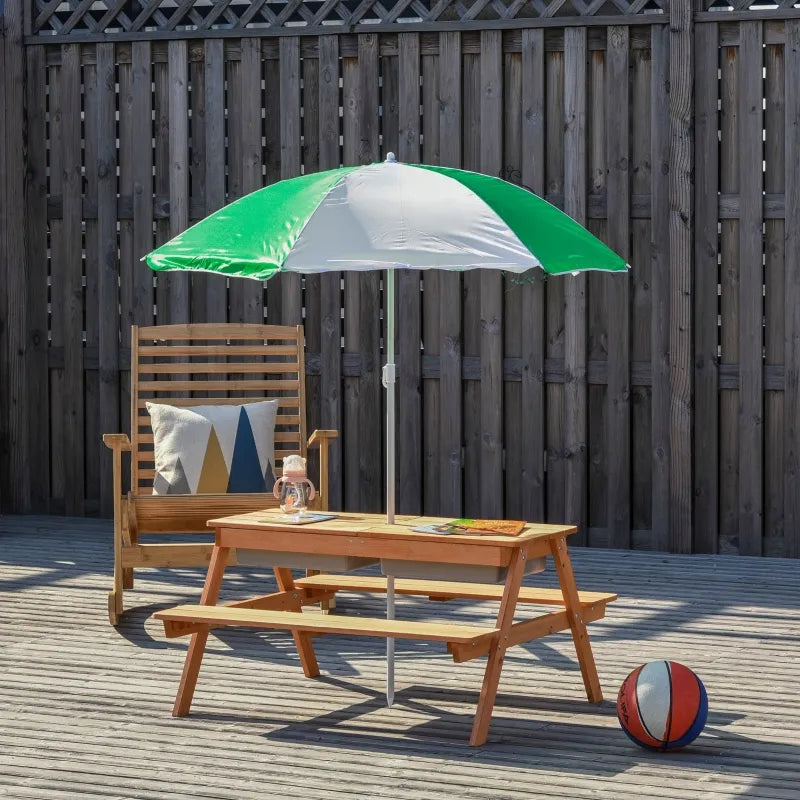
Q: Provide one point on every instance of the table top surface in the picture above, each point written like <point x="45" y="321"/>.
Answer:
<point x="375" y="526"/>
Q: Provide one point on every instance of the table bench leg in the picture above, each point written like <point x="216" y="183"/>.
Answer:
<point x="197" y="645"/>
<point x="326" y="606"/>
<point x="302" y="641"/>
<point x="566" y="577"/>
<point x="497" y="653"/>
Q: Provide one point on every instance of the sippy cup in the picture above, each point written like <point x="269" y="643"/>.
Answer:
<point x="294" y="490"/>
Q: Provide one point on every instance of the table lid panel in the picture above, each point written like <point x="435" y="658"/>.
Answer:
<point x="375" y="526"/>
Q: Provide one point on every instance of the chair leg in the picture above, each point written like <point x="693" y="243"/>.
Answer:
<point x="114" y="607"/>
<point x="129" y="538"/>
<point x="115" y="597"/>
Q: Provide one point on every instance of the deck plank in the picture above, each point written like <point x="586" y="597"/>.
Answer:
<point x="73" y="690"/>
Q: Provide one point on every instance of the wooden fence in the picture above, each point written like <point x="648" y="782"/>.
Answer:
<point x="658" y="411"/>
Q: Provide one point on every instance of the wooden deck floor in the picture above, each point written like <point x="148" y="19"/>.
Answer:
<point x="85" y="709"/>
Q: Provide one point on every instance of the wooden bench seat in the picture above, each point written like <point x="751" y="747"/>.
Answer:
<point x="176" y="619"/>
<point x="447" y="590"/>
<point x="464" y="642"/>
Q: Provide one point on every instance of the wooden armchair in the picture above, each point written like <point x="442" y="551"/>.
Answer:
<point x="190" y="365"/>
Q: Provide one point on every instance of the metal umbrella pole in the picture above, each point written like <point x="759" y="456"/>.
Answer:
<point x="388" y="379"/>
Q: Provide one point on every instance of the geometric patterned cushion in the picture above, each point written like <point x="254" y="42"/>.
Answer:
<point x="214" y="449"/>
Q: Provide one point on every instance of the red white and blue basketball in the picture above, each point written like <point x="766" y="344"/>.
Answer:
<point x="662" y="705"/>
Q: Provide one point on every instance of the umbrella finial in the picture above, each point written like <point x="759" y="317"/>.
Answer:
<point x="391" y="158"/>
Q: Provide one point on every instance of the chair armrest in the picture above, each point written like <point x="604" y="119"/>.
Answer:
<point x="316" y="438"/>
<point x="117" y="441"/>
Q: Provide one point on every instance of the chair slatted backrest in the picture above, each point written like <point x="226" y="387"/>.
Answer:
<point x="216" y="364"/>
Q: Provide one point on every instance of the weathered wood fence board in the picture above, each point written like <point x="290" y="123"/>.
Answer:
<point x="774" y="281"/>
<point x="597" y="344"/>
<point x="641" y="346"/>
<point x="408" y="310"/>
<point x="490" y="286"/>
<point x="617" y="293"/>
<point x="15" y="408"/>
<point x="532" y="433"/>
<point x="660" y="289"/>
<point x="681" y="226"/>
<point x="791" y="449"/>
<point x="545" y="399"/>
<point x="512" y="312"/>
<point x="575" y="386"/>
<point x="91" y="302"/>
<point x="330" y="284"/>
<point x="751" y="296"/>
<point x="36" y="245"/>
<point x="470" y="315"/>
<point x="554" y="290"/>
<point x="707" y="432"/>
<point x="450" y="413"/>
<point x="433" y="462"/>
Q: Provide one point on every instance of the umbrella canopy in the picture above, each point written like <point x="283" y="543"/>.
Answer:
<point x="386" y="216"/>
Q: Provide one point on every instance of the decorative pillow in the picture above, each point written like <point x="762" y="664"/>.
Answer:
<point x="214" y="449"/>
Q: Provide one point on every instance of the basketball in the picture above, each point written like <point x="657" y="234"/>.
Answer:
<point x="662" y="705"/>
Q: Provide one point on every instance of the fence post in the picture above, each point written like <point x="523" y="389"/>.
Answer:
<point x="680" y="243"/>
<point x="14" y="472"/>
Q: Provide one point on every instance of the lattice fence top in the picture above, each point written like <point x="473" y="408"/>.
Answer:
<point x="130" y="17"/>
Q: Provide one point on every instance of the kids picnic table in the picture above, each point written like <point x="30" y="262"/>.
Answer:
<point x="352" y="540"/>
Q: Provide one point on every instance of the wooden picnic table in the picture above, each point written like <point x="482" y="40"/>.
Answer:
<point x="368" y="536"/>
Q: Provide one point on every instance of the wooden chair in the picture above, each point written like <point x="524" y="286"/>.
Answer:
<point x="204" y="364"/>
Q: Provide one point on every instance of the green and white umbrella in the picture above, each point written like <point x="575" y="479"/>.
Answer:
<point x="386" y="216"/>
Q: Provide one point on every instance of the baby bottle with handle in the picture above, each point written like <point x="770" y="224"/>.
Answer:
<point x="294" y="490"/>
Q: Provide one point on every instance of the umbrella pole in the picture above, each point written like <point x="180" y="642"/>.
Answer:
<point x="389" y="642"/>
<point x="388" y="382"/>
